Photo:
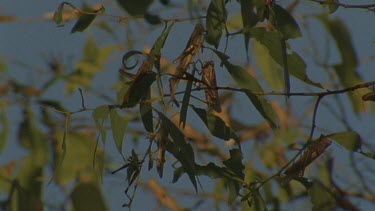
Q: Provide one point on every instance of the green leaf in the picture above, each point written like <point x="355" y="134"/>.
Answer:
<point x="215" y="21"/>
<point x="234" y="163"/>
<point x="249" y="19"/>
<point x="369" y="155"/>
<point x="348" y="139"/>
<point x="28" y="191"/>
<point x="245" y="81"/>
<point x="34" y="140"/>
<point x="145" y="109"/>
<point x="332" y="6"/>
<point x="267" y="65"/>
<point x="320" y="198"/>
<point x="286" y="23"/>
<point x="118" y="126"/>
<point x="57" y="16"/>
<point x="85" y="20"/>
<point x="346" y="70"/>
<point x="185" y="103"/>
<point x="152" y="19"/>
<point x="79" y="159"/>
<point x="159" y="44"/>
<point x="215" y="124"/>
<point x="140" y="89"/>
<point x="87" y="196"/>
<point x="100" y="114"/>
<point x="296" y="65"/>
<point x="135" y="8"/>
<point x="181" y="150"/>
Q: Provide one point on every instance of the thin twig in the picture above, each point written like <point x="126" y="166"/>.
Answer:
<point x="370" y="7"/>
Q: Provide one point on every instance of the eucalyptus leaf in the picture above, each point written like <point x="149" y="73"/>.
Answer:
<point x="348" y="139"/>
<point x="118" y="126"/>
<point x="215" y="22"/>
<point x="100" y="114"/>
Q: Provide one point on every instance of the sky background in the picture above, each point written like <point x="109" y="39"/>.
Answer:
<point x="26" y="43"/>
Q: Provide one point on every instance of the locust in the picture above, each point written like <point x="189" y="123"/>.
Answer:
<point x="210" y="86"/>
<point x="312" y="152"/>
<point x="184" y="59"/>
<point x="161" y="140"/>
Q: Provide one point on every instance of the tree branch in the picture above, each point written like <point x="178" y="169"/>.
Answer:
<point x="370" y="7"/>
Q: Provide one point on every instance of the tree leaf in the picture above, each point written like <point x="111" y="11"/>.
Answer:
<point x="246" y="81"/>
<point x="139" y="89"/>
<point x="249" y="19"/>
<point x="215" y="124"/>
<point x="87" y="196"/>
<point x="57" y="16"/>
<point x="332" y="5"/>
<point x="296" y="65"/>
<point x="320" y="198"/>
<point x="135" y="8"/>
<point x="234" y="163"/>
<point x="29" y="185"/>
<point x="346" y="70"/>
<point x="215" y="21"/>
<point x="118" y="126"/>
<point x="286" y="23"/>
<point x="100" y="114"/>
<point x="348" y="139"/>
<point x="85" y="20"/>
<point x="145" y="109"/>
<point x="267" y="65"/>
<point x="155" y="53"/>
<point x="181" y="150"/>
<point x="185" y="103"/>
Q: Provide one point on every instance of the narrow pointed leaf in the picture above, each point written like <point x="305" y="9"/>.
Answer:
<point x="118" y="126"/>
<point x="159" y="44"/>
<point x="215" y="125"/>
<point x="185" y="103"/>
<point x="87" y="196"/>
<point x="100" y="114"/>
<point x="145" y="108"/>
<point x="296" y="65"/>
<point x="139" y="90"/>
<point x="348" y="139"/>
<point x="246" y="81"/>
<point x="215" y="22"/>
<point x="57" y="16"/>
<point x="85" y="20"/>
<point x="181" y="150"/>
<point x="249" y="19"/>
<point x="268" y="67"/>
<point x="320" y="198"/>
<point x="346" y="70"/>
<point x="286" y="23"/>
<point x="234" y="163"/>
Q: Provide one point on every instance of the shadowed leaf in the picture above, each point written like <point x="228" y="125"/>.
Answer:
<point x="249" y="19"/>
<point x="100" y="114"/>
<point x="118" y="126"/>
<point x="348" y="139"/>
<point x="215" y="21"/>
<point x="320" y="198"/>
<point x="145" y="109"/>
<point x="286" y="23"/>
<point x="181" y="150"/>
<point x="185" y="103"/>
<point x="246" y="81"/>
<point x="215" y="125"/>
<point x="346" y="70"/>
<point x="85" y="20"/>
<point x="87" y="196"/>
